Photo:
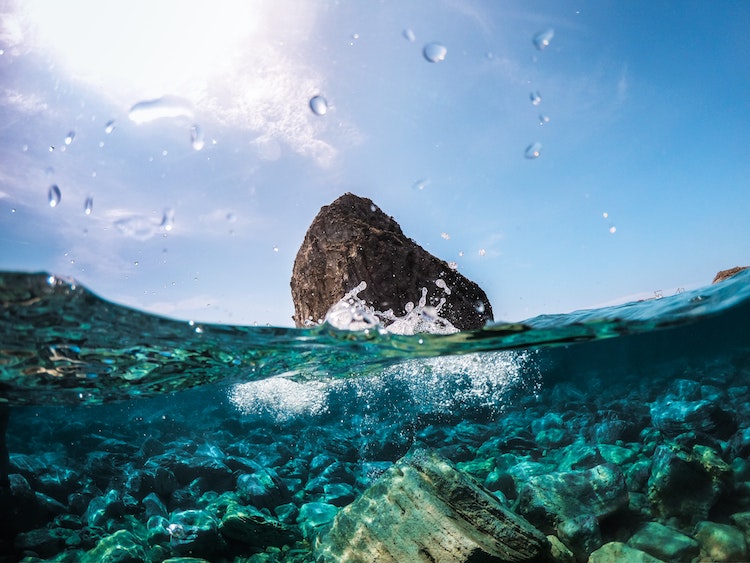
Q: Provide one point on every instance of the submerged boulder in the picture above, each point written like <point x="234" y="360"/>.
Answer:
<point x="423" y="509"/>
<point x="352" y="241"/>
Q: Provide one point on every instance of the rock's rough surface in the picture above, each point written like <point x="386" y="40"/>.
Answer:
<point x="720" y="542"/>
<point x="726" y="274"/>
<point x="616" y="552"/>
<point x="664" y="543"/>
<point x="351" y="241"/>
<point x="423" y="509"/>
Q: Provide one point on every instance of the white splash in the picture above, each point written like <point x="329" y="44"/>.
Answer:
<point x="352" y="313"/>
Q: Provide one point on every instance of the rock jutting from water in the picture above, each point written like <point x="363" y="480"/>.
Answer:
<point x="352" y="241"/>
<point x="726" y="274"/>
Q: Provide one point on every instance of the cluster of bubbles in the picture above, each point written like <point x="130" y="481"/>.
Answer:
<point x="441" y="385"/>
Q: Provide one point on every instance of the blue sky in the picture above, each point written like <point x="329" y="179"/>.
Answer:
<point x="643" y="117"/>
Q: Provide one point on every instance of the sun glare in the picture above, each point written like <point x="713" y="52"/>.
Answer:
<point x="145" y="49"/>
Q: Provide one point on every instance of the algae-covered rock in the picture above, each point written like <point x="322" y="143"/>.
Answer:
<point x="315" y="518"/>
<point x="677" y="417"/>
<point x="193" y="532"/>
<point x="423" y="509"/>
<point x="686" y="483"/>
<point x="664" y="542"/>
<point x="571" y="504"/>
<point x="120" y="547"/>
<point x="720" y="542"/>
<point x="618" y="552"/>
<point x="554" y="497"/>
<point x="250" y="526"/>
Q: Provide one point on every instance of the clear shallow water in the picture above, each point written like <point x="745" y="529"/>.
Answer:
<point x="101" y="396"/>
<point x="62" y="343"/>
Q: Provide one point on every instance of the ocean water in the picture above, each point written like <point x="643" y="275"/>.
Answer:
<point x="129" y="435"/>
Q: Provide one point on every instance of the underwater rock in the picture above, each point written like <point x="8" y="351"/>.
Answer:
<point x="250" y="526"/>
<point x="720" y="542"/>
<point x="194" y="532"/>
<point x="43" y="542"/>
<point x="122" y="546"/>
<point x="316" y="518"/>
<point x="664" y="542"/>
<point x="677" y="417"/>
<point x="262" y="488"/>
<point x="352" y="241"/>
<point x="572" y="503"/>
<point x="422" y="508"/>
<point x="726" y="274"/>
<point x="617" y="552"/>
<point x="684" y="483"/>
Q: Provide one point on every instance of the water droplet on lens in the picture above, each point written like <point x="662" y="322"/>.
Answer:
<point x="167" y="106"/>
<point x="409" y="35"/>
<point x="533" y="150"/>
<point x="420" y="185"/>
<point x="196" y="137"/>
<point x="536" y="98"/>
<point x="434" y="52"/>
<point x="88" y="207"/>
<point x="109" y="127"/>
<point x="54" y="195"/>
<point x="319" y="105"/>
<point x="70" y="137"/>
<point x="543" y="39"/>
<point x="167" y="220"/>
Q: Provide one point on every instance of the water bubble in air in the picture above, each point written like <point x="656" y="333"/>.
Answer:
<point x="197" y="140"/>
<point x="434" y="52"/>
<point x="533" y="151"/>
<point x="166" y="106"/>
<point x="543" y="39"/>
<point x="88" y="206"/>
<point x="409" y="35"/>
<point x="543" y="119"/>
<point x="54" y="196"/>
<point x="319" y="105"/>
<point x="420" y="185"/>
<point x="69" y="138"/>
<point x="536" y="98"/>
<point x="613" y="229"/>
<point x="167" y="220"/>
<point x="109" y="126"/>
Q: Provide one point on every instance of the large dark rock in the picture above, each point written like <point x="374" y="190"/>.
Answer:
<point x="352" y="241"/>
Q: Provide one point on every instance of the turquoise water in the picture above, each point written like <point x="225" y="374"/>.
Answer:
<point x="123" y="424"/>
